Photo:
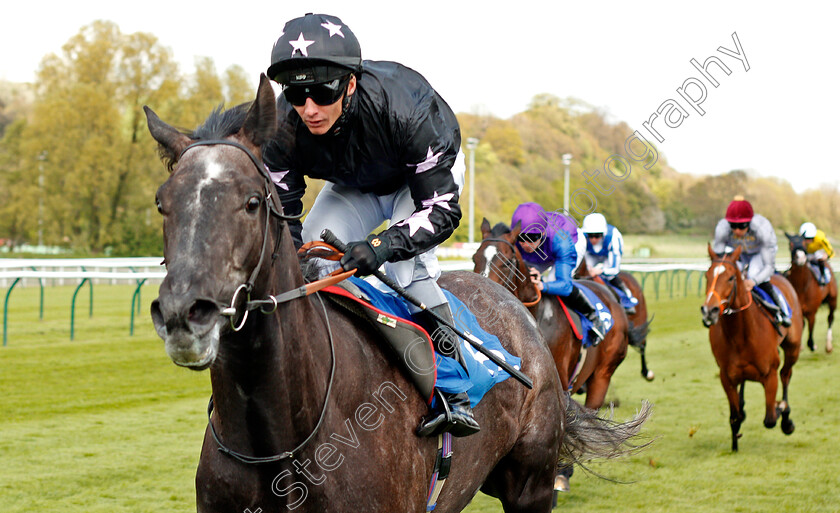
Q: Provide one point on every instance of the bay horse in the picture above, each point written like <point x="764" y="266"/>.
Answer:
<point x="745" y="341"/>
<point x="811" y="294"/>
<point x="308" y="411"/>
<point x="498" y="258"/>
<point x="639" y="321"/>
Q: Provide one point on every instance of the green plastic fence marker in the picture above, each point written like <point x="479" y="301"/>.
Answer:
<point x="6" y="309"/>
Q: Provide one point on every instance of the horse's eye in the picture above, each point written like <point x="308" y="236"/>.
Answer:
<point x="158" y="205"/>
<point x="253" y="203"/>
<point x="731" y="278"/>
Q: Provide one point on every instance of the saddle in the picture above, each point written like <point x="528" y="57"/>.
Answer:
<point x="391" y="317"/>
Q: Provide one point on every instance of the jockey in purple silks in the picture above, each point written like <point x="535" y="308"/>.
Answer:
<point x="549" y="244"/>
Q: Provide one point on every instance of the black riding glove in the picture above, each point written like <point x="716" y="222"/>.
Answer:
<point x="366" y="255"/>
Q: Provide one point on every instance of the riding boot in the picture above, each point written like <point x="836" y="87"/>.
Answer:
<point x="618" y="282"/>
<point x="780" y="316"/>
<point x="452" y="412"/>
<point x="578" y="301"/>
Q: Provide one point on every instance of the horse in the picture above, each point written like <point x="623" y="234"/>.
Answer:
<point x="811" y="294"/>
<point x="745" y="342"/>
<point x="639" y="321"/>
<point x="498" y="258"/>
<point x="307" y="411"/>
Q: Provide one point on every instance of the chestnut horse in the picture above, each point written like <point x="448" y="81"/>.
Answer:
<point x="499" y="259"/>
<point x="745" y="341"/>
<point x="811" y="294"/>
<point x="308" y="411"/>
<point x="639" y="322"/>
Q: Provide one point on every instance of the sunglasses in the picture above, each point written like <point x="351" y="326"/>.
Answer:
<point x="739" y="226"/>
<point x="322" y="94"/>
<point x="594" y="235"/>
<point x="530" y="237"/>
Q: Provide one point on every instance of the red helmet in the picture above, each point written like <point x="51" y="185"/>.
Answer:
<point x="739" y="211"/>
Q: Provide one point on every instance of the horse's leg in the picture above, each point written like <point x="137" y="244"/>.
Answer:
<point x="741" y="401"/>
<point x="791" y="356"/>
<point x="811" y="318"/>
<point x="735" y="408"/>
<point x="597" y="387"/>
<point x="832" y="305"/>
<point x="771" y="386"/>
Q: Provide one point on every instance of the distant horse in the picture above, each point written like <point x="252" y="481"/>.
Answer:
<point x="499" y="259"/>
<point x="639" y="322"/>
<point x="811" y="293"/>
<point x="308" y="411"/>
<point x="746" y="342"/>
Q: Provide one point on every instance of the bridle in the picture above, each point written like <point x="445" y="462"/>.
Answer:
<point x="728" y="310"/>
<point x="273" y="207"/>
<point x="510" y="263"/>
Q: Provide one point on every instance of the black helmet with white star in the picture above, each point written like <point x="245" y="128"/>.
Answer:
<point x="313" y="49"/>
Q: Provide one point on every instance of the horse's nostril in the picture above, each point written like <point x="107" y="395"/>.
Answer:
<point x="202" y="312"/>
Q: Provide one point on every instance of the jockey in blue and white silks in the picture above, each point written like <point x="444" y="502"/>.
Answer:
<point x="604" y="249"/>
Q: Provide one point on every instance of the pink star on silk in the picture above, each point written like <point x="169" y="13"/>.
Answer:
<point x="333" y="28"/>
<point x="418" y="220"/>
<point x="430" y="162"/>
<point x="277" y="177"/>
<point x="300" y="45"/>
<point x="441" y="200"/>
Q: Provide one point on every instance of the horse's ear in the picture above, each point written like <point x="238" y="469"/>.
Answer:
<point x="261" y="121"/>
<point x="171" y="141"/>
<point x="485" y="228"/>
<point x="712" y="253"/>
<point x="516" y="230"/>
<point x="789" y="236"/>
<point x="737" y="253"/>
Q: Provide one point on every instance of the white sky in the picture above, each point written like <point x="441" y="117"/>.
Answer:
<point x="627" y="58"/>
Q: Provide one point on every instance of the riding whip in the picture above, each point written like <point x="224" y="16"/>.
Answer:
<point x="330" y="238"/>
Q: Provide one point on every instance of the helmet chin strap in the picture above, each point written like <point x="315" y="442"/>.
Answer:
<point x="342" y="118"/>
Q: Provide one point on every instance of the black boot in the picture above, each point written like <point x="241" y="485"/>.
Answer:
<point x="823" y="278"/>
<point x="618" y="282"/>
<point x="579" y="302"/>
<point x="452" y="412"/>
<point x="780" y="316"/>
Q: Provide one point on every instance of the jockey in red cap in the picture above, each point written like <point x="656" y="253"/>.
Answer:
<point x="754" y="233"/>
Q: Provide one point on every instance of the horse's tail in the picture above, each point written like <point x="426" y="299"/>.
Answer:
<point x="638" y="334"/>
<point x="588" y="436"/>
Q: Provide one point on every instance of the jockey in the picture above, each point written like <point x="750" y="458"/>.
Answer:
<point x="388" y="147"/>
<point x="604" y="249"/>
<point x="548" y="242"/>
<point x="754" y="233"/>
<point x="818" y="249"/>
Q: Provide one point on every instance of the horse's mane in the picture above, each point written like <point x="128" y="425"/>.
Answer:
<point x="219" y="124"/>
<point x="499" y="229"/>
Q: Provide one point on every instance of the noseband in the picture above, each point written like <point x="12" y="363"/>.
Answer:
<point x="273" y="207"/>
<point x="510" y="264"/>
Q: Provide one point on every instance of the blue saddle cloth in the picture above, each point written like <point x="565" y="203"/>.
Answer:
<point x="826" y="276"/>
<point x="766" y="297"/>
<point x="586" y="324"/>
<point x="451" y="377"/>
<point x="625" y="300"/>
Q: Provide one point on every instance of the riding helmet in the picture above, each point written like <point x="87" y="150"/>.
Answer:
<point x="739" y="211"/>
<point x="808" y="230"/>
<point x="594" y="223"/>
<point x="313" y="49"/>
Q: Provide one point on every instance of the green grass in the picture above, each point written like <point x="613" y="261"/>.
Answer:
<point x="106" y="423"/>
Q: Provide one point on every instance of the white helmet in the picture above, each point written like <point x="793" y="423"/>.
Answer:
<point x="594" y="223"/>
<point x="808" y="230"/>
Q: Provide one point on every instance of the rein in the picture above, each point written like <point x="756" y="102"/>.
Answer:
<point x="273" y="207"/>
<point x="729" y="300"/>
<point x="511" y="266"/>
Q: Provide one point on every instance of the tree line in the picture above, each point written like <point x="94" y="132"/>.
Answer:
<point x="78" y="168"/>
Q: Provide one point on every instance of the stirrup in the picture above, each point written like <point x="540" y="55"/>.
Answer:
<point x="457" y="423"/>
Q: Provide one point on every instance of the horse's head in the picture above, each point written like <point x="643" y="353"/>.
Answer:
<point x="216" y="209"/>
<point x="722" y="280"/>
<point x="798" y="255"/>
<point x="497" y="257"/>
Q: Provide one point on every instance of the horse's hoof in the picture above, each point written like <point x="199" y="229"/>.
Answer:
<point x="811" y="345"/>
<point x="650" y="375"/>
<point x="787" y="426"/>
<point x="561" y="484"/>
<point x="828" y="347"/>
